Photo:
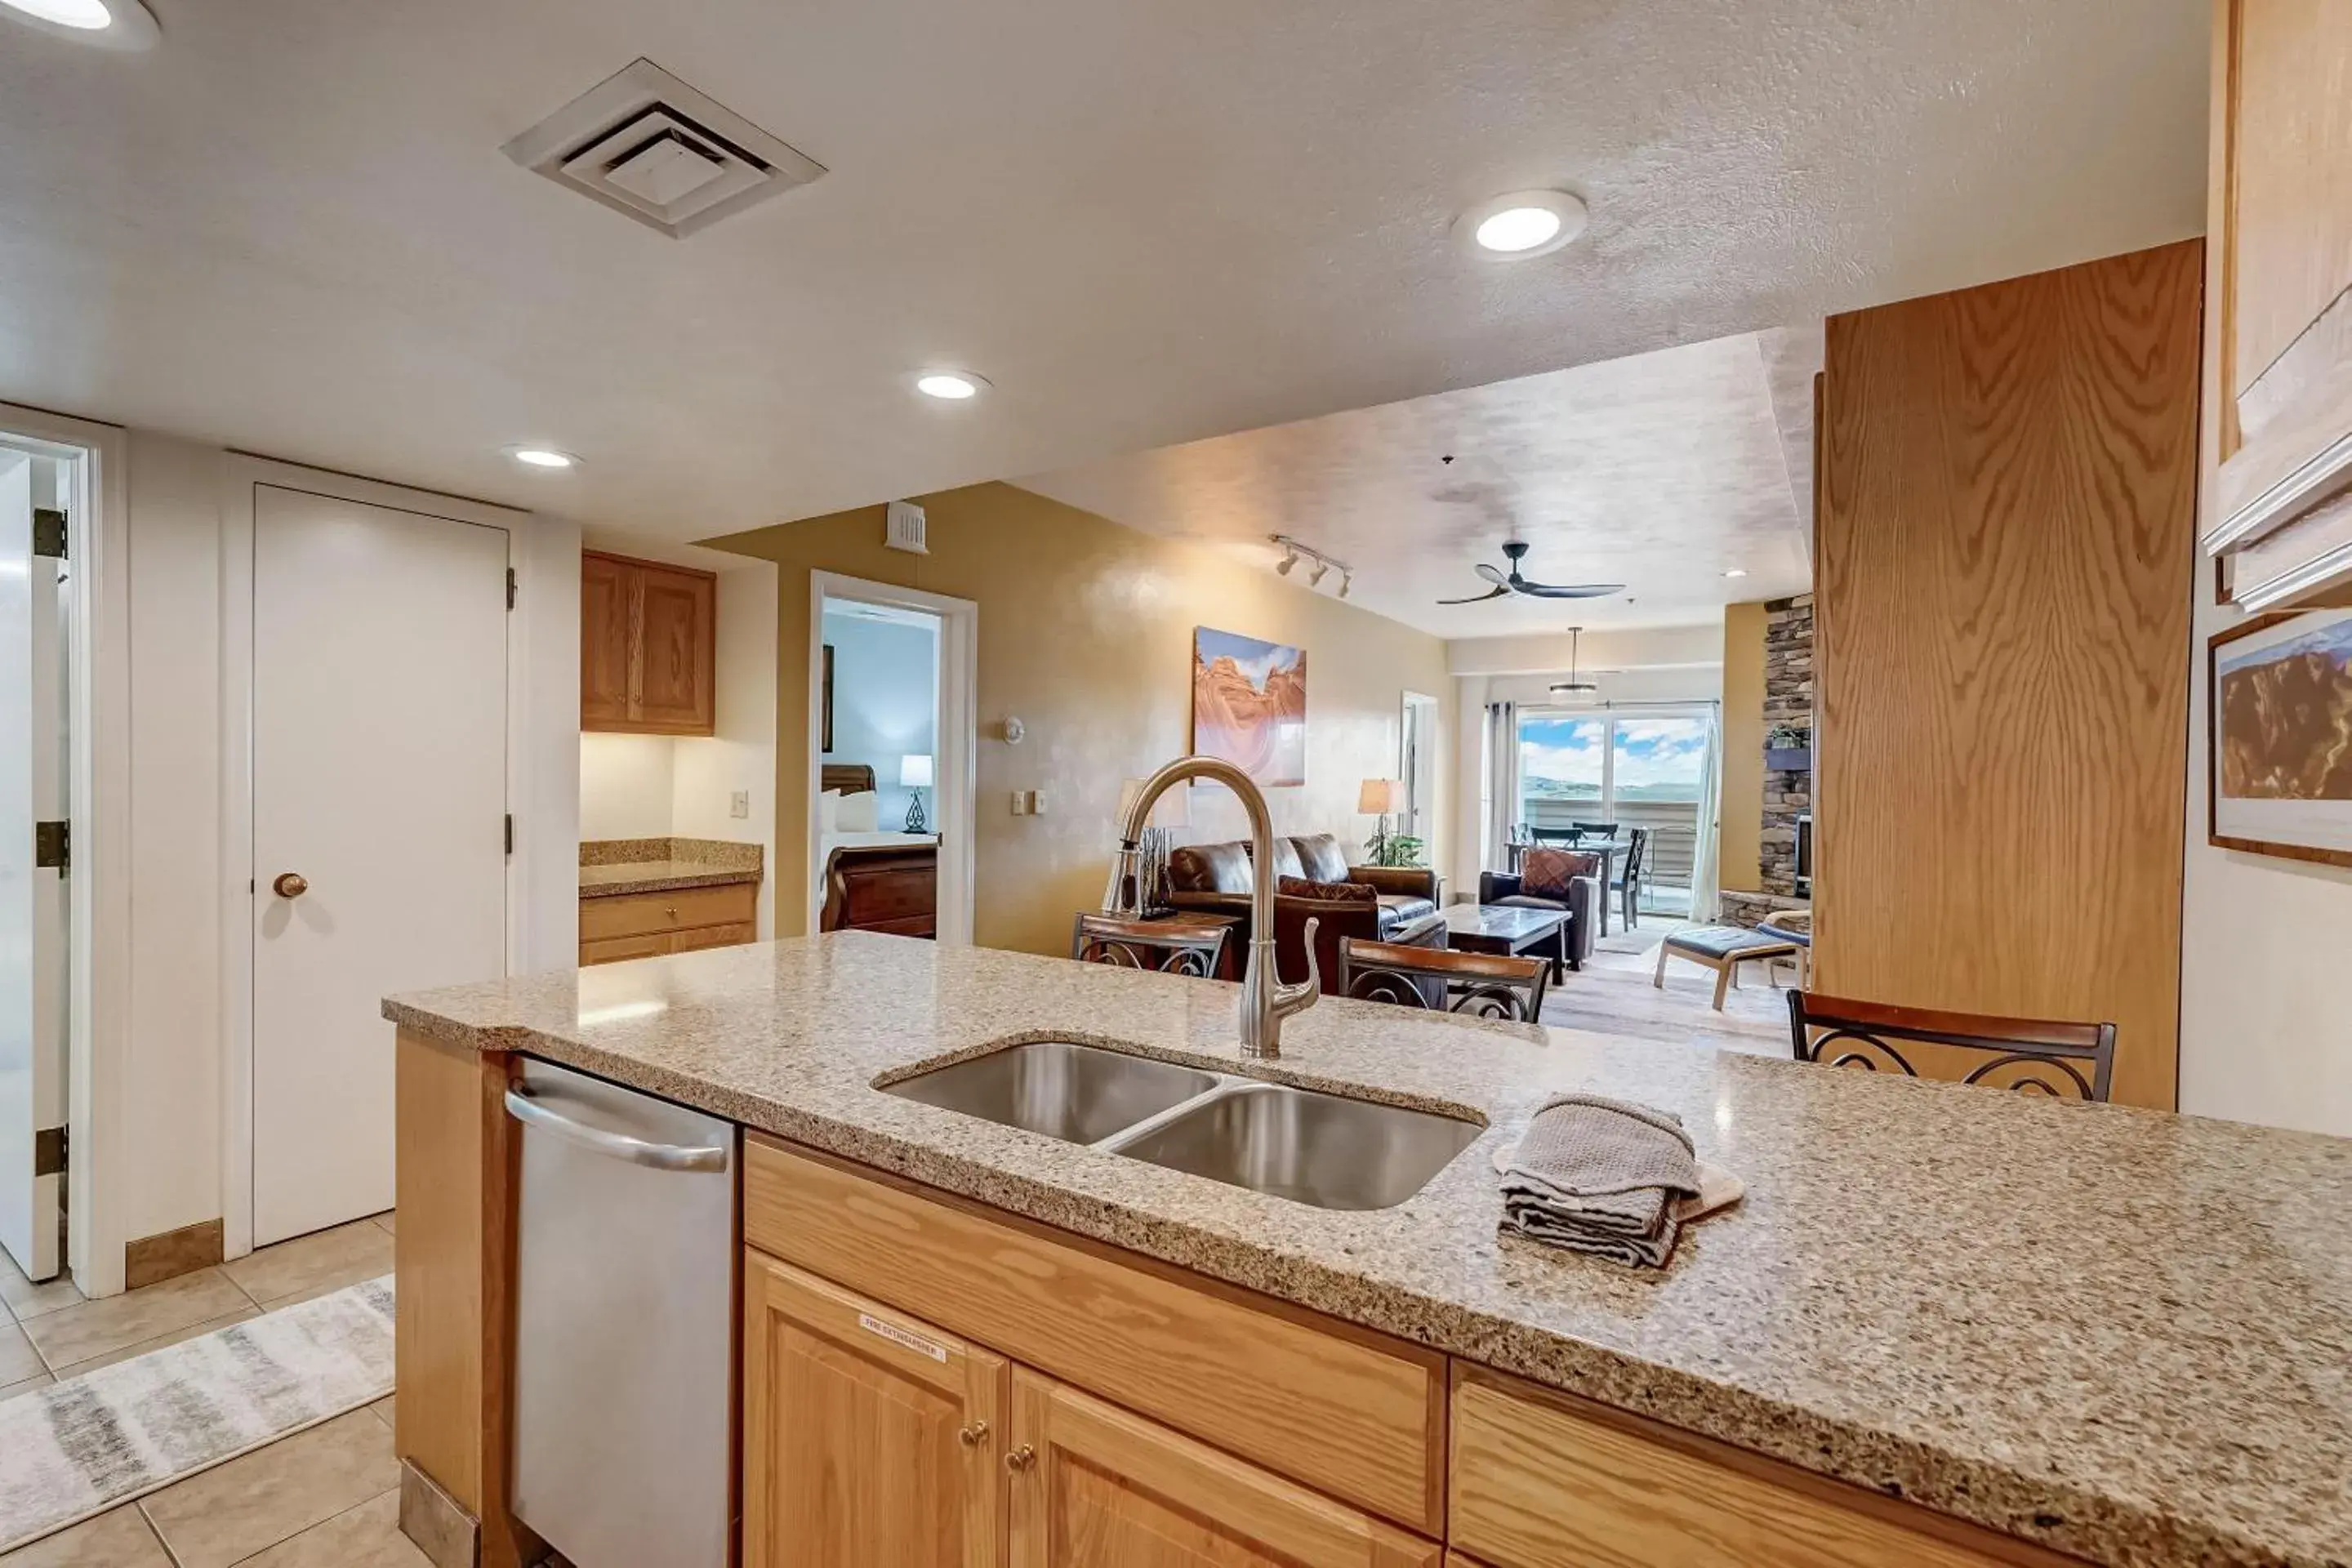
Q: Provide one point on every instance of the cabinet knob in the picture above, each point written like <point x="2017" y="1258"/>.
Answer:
<point x="1020" y="1458"/>
<point x="290" y="885"/>
<point x="974" y="1435"/>
<point x="670" y="909"/>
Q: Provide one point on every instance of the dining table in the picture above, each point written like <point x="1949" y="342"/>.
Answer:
<point x="1611" y="851"/>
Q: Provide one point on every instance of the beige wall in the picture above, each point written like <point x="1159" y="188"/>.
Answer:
<point x="1086" y="633"/>
<point x="1740" y="810"/>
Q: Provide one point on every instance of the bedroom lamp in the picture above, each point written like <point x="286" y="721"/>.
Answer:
<point x="915" y="776"/>
<point x="1377" y="798"/>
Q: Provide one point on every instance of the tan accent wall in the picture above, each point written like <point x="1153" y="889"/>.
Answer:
<point x="1086" y="633"/>
<point x="1740" y="809"/>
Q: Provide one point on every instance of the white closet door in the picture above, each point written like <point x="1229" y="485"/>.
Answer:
<point x="379" y="780"/>
<point x="32" y="899"/>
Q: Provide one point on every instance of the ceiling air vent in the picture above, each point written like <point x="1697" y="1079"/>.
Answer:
<point x="645" y="143"/>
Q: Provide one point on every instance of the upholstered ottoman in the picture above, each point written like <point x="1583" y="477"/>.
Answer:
<point x="1722" y="949"/>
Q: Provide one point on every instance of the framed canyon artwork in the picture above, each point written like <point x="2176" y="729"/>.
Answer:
<point x="1249" y="705"/>
<point x="2279" y="747"/>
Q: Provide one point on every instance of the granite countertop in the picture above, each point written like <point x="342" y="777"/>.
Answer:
<point x="612" y="867"/>
<point x="2122" y="1333"/>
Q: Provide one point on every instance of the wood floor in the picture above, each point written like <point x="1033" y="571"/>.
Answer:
<point x="1613" y="994"/>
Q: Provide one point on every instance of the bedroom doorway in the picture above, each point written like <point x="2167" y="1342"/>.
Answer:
<point x="892" y="695"/>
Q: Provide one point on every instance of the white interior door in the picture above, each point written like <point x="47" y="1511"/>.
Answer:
<point x="379" y="779"/>
<point x="33" y="1049"/>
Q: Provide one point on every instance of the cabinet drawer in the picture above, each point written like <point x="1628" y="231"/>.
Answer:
<point x="614" y="948"/>
<point x="641" y="914"/>
<point x="1352" y="1414"/>
<point x="701" y="937"/>
<point x="1544" y="1481"/>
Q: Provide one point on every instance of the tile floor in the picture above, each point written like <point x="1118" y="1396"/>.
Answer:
<point x="326" y="1497"/>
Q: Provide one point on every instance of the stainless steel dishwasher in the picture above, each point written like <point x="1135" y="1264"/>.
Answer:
<point x="625" y="1345"/>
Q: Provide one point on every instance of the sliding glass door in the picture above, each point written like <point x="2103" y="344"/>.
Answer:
<point x="1633" y="769"/>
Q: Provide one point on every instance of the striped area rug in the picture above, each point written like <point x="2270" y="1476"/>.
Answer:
<point x="79" y="1448"/>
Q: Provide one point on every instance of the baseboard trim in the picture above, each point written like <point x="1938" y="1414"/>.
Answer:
<point x="431" y="1518"/>
<point x="152" y="1259"/>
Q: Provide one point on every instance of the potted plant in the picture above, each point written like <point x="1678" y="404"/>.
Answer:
<point x="1789" y="749"/>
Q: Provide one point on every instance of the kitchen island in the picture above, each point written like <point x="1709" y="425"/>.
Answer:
<point x="2047" y="1329"/>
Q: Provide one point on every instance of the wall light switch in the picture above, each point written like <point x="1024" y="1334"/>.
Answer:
<point x="1036" y="803"/>
<point x="1019" y="803"/>
<point x="739" y="805"/>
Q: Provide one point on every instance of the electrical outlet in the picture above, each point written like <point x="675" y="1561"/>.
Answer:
<point x="739" y="805"/>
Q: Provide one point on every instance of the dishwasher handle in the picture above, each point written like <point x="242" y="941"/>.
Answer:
<point x="616" y="1145"/>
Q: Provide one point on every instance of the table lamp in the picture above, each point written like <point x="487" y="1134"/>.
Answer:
<point x="1377" y="798"/>
<point x="915" y="776"/>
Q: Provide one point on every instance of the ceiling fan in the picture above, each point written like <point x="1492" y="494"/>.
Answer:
<point x="1515" y="583"/>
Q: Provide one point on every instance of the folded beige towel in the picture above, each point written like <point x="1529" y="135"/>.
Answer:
<point x="1603" y="1176"/>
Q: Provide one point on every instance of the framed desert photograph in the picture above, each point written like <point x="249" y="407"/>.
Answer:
<point x="2280" y="748"/>
<point x="1249" y="705"/>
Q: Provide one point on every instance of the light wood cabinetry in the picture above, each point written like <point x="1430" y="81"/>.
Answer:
<point x="1093" y="1484"/>
<point x="1354" y="1415"/>
<point x="1543" y="1480"/>
<point x="869" y="1436"/>
<point x="646" y="925"/>
<point x="2004" y="541"/>
<point x="2279" y="328"/>
<point x="648" y="647"/>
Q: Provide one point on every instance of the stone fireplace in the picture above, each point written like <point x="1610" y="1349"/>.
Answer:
<point x="1788" y="791"/>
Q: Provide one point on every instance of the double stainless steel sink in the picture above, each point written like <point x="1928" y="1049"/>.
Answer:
<point x="1326" y="1150"/>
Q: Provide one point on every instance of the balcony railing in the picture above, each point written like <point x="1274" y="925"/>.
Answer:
<point x="1674" y="837"/>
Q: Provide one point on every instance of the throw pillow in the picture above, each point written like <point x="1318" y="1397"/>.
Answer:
<point x="859" y="813"/>
<point x="828" y="819"/>
<point x="1546" y="873"/>
<point x="1328" y="892"/>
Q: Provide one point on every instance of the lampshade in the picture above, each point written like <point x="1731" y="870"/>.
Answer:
<point x="1381" y="797"/>
<point x="914" y="773"/>
<point x="1172" y="809"/>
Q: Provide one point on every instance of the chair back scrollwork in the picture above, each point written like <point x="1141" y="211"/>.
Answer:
<point x="1476" y="985"/>
<point x="1149" y="945"/>
<point x="2030" y="1056"/>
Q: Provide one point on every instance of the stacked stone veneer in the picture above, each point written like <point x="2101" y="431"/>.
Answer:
<point x="1787" y="699"/>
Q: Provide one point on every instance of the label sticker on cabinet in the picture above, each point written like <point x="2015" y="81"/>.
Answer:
<point x="906" y="1339"/>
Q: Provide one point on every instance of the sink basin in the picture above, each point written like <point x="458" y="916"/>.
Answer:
<point x="1078" y="1093"/>
<point x="1311" y="1148"/>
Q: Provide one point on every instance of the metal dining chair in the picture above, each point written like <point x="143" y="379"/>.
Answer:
<point x="1147" y="944"/>
<point x="2033" y="1056"/>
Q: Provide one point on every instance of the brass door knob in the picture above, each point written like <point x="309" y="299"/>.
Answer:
<point x="974" y="1435"/>
<point x="1020" y="1458"/>
<point x="290" y="885"/>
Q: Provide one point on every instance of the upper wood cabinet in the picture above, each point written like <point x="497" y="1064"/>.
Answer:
<point x="2279" y="285"/>
<point x="648" y="647"/>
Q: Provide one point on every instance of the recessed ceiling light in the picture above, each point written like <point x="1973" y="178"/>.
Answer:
<point x="110" y="24"/>
<point x="542" y="457"/>
<point x="1524" y="223"/>
<point x="949" y="386"/>
<point x="1737" y="572"/>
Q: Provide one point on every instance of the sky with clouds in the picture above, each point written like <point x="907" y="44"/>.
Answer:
<point x="1649" y="751"/>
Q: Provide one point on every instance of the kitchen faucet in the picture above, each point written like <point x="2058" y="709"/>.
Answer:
<point x="1265" y="1001"/>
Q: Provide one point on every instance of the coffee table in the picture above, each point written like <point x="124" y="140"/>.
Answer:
<point x="1506" y="929"/>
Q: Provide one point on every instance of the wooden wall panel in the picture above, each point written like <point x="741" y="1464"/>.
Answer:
<point x="2005" y="537"/>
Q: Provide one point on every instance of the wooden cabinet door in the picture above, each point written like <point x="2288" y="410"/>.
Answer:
<point x="869" y="1436"/>
<point x="1093" y="1485"/>
<point x="606" y="588"/>
<point x="2279" y="333"/>
<point x="678" y="651"/>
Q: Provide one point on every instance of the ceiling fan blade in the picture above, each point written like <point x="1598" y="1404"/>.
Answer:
<point x="1577" y="591"/>
<point x="1478" y="598"/>
<point x="1493" y="575"/>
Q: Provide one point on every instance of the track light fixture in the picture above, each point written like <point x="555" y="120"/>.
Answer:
<point x="1293" y="552"/>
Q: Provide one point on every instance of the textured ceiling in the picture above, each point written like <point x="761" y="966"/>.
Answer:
<point x="290" y="229"/>
<point x="1661" y="471"/>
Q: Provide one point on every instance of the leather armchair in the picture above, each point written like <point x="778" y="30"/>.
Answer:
<point x="1576" y="933"/>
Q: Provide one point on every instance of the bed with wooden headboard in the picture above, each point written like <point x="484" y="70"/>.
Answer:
<point x="876" y="882"/>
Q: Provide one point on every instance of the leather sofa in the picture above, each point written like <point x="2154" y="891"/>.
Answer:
<point x="1217" y="878"/>
<point x="1576" y="933"/>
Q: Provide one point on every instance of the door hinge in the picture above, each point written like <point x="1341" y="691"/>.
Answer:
<point x="49" y="1152"/>
<point x="509" y="832"/>
<point x="53" y="846"/>
<point x="512" y="584"/>
<point x="49" y="533"/>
